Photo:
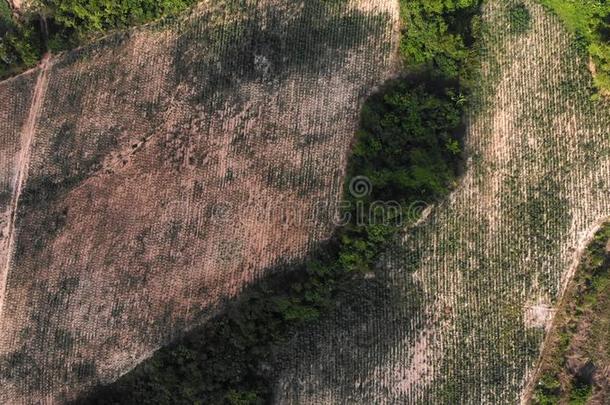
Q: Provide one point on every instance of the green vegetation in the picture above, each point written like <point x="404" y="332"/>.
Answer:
<point x="409" y="146"/>
<point x="520" y="18"/>
<point x="439" y="33"/>
<point x="20" y="42"/>
<point x="590" y="21"/>
<point x="88" y="17"/>
<point x="73" y="22"/>
<point x="548" y="390"/>
<point x="70" y="23"/>
<point x="588" y="301"/>
<point x="581" y="392"/>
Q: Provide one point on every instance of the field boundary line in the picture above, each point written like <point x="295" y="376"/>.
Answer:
<point x="27" y="134"/>
<point x="577" y="258"/>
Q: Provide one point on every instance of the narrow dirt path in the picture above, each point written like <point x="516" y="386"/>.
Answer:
<point x="27" y="134"/>
<point x="528" y="392"/>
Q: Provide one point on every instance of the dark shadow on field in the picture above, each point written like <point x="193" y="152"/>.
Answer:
<point x="372" y="316"/>
<point x="264" y="46"/>
<point x="250" y="345"/>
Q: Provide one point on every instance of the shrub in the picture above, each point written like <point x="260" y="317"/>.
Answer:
<point x="20" y="44"/>
<point x="438" y="33"/>
<point x="520" y="18"/>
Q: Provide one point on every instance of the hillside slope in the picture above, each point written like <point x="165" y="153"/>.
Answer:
<point x="18" y="94"/>
<point x="471" y="296"/>
<point x="169" y="167"/>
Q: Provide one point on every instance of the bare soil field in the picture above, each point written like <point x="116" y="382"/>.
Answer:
<point x="461" y="314"/>
<point x="154" y="174"/>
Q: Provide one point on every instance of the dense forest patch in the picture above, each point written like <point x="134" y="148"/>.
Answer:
<point x="440" y="33"/>
<point x="58" y="25"/>
<point x="21" y="44"/>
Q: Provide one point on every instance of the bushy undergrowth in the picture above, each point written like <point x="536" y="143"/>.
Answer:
<point x="70" y="23"/>
<point x="74" y="21"/>
<point x="94" y="16"/>
<point x="20" y="42"/>
<point x="409" y="146"/>
<point x="590" y="287"/>
<point x="590" y="21"/>
<point x="520" y="18"/>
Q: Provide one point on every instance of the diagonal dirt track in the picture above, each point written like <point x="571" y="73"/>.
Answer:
<point x="27" y="134"/>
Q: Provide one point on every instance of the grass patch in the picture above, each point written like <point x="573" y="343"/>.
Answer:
<point x="589" y="20"/>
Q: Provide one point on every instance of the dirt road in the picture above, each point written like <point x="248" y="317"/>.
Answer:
<point x="27" y="134"/>
<point x="528" y="392"/>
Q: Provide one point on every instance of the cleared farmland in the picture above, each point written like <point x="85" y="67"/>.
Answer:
<point x="159" y="162"/>
<point x="461" y="315"/>
<point x="152" y="180"/>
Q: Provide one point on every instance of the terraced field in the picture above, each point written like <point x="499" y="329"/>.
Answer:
<point x="460" y="316"/>
<point x="145" y="178"/>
